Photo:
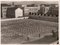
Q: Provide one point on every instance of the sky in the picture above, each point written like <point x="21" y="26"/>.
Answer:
<point x="30" y="2"/>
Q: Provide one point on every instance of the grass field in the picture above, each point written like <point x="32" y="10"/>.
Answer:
<point x="45" y="18"/>
<point x="15" y="31"/>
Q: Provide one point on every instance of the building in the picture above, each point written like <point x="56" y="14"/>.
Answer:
<point x="15" y="11"/>
<point x="18" y="12"/>
<point x="31" y="9"/>
<point x="11" y="11"/>
<point x="4" y="10"/>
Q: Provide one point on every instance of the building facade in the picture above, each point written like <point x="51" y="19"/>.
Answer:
<point x="4" y="10"/>
<point x="18" y="12"/>
<point x="31" y="9"/>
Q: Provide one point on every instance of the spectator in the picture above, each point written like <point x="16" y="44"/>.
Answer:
<point x="27" y="38"/>
<point x="39" y="35"/>
<point x="54" y="34"/>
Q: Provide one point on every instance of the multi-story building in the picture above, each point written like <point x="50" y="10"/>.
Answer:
<point x="4" y="10"/>
<point x="31" y="9"/>
<point x="9" y="11"/>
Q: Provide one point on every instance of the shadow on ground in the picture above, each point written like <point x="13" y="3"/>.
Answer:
<point x="46" y="40"/>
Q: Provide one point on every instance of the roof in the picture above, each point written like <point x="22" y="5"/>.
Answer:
<point x="5" y="5"/>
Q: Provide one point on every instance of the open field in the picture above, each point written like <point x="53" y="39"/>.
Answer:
<point x="46" y="40"/>
<point x="45" y="18"/>
<point x="16" y="31"/>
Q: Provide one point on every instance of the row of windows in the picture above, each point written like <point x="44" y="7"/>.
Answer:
<point x="43" y="14"/>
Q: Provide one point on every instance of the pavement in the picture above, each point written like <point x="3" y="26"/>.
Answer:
<point x="13" y="19"/>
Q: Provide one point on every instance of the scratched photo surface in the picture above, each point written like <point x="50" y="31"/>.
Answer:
<point x="29" y="22"/>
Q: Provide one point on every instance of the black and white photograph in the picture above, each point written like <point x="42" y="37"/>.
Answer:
<point x="29" y="22"/>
